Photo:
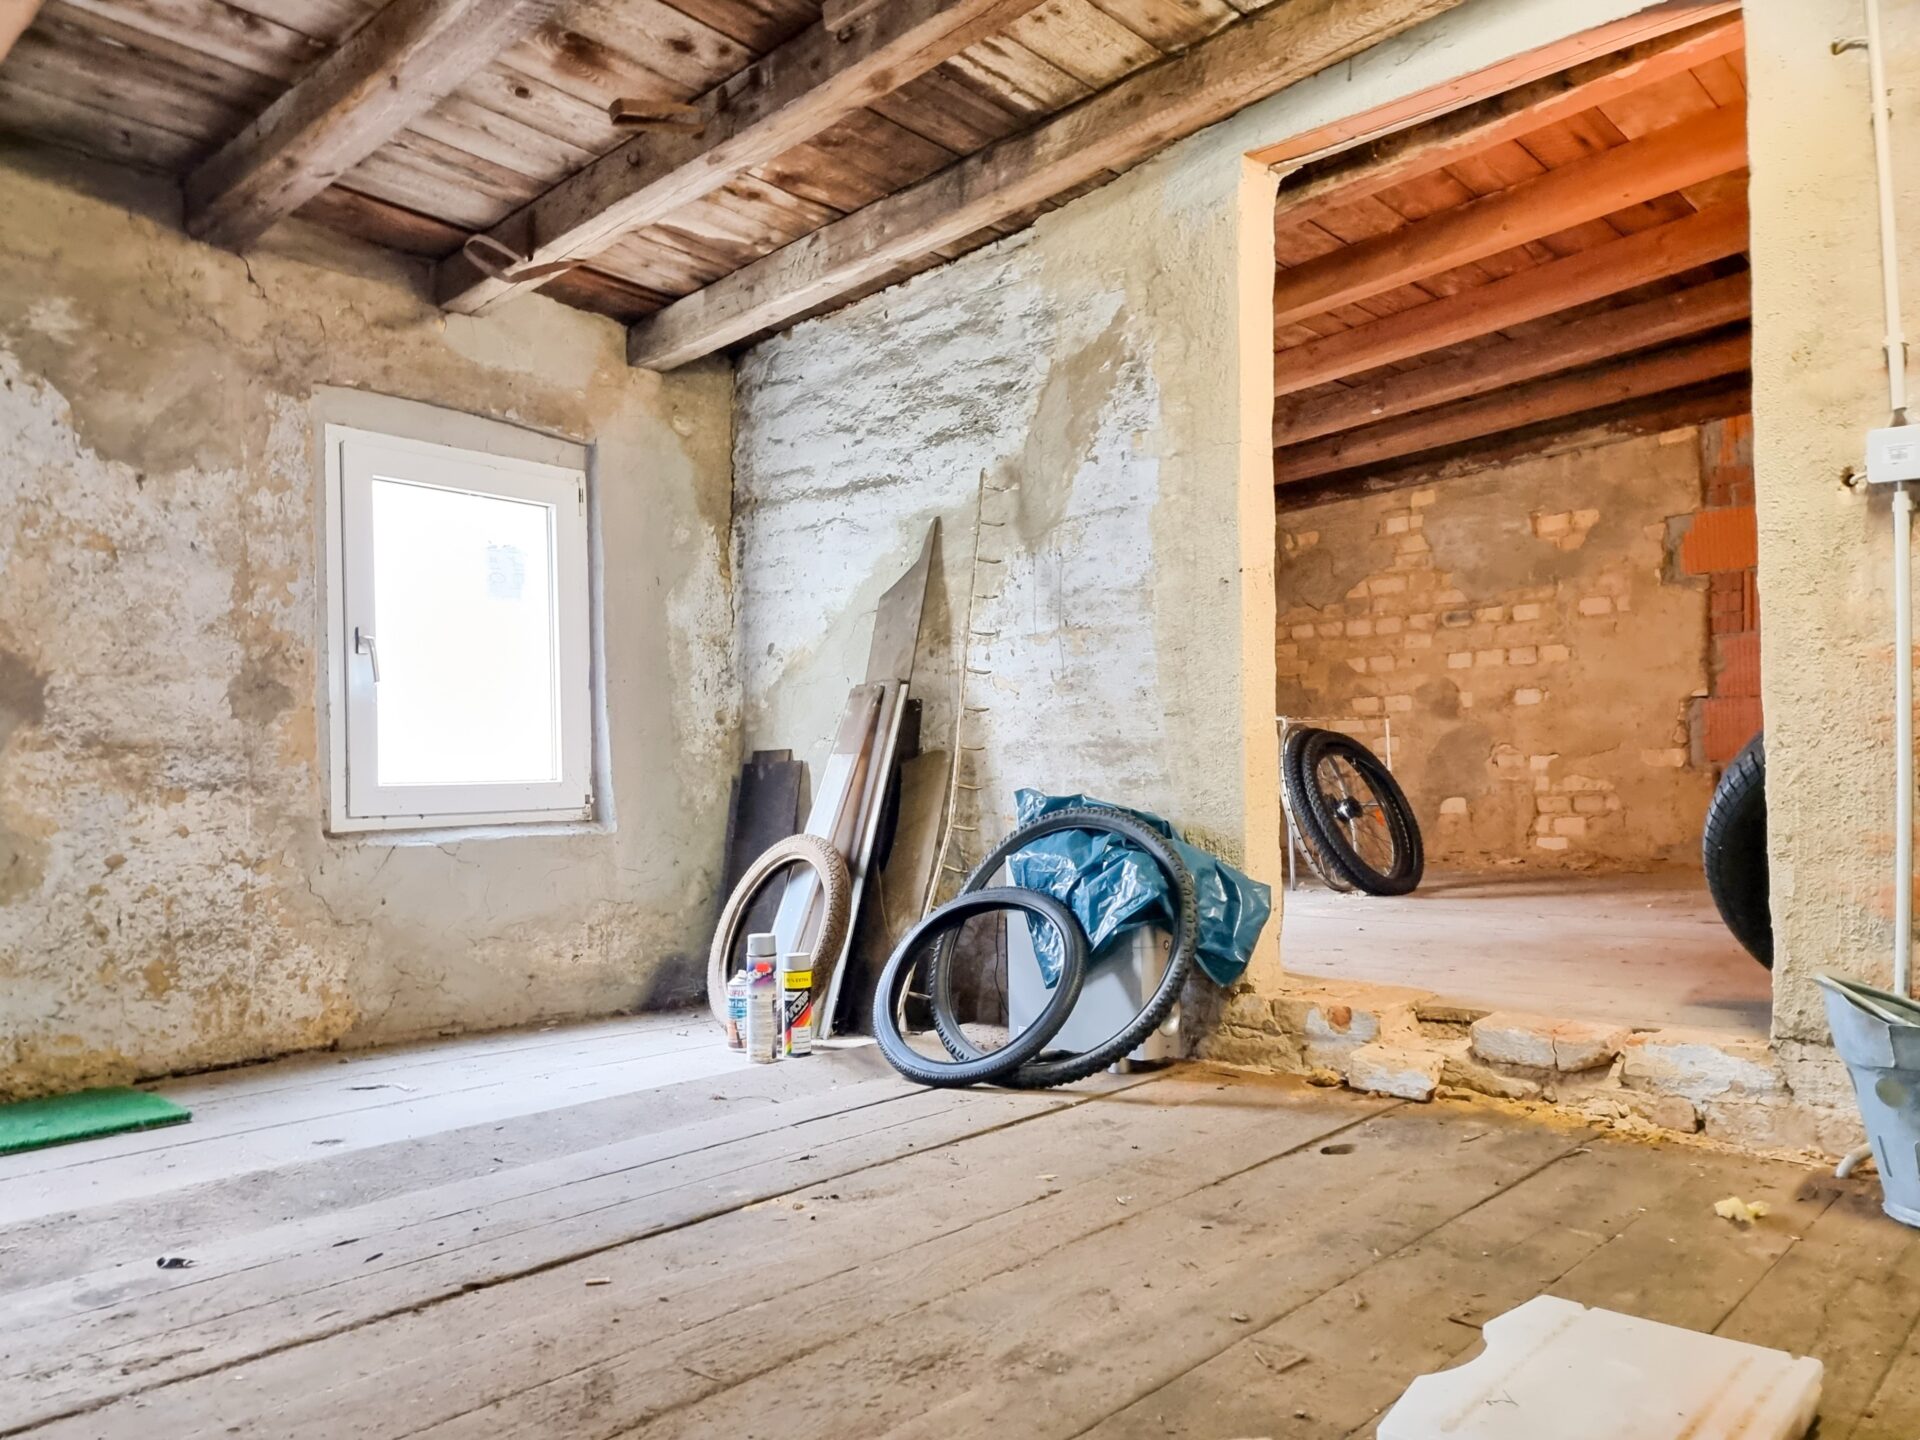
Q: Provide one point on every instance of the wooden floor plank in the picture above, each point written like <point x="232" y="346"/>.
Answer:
<point x="1848" y="1292"/>
<point x="478" y="1234"/>
<point x="822" y="1250"/>
<point x="1329" y="1365"/>
<point x="1122" y="1311"/>
<point x="386" y="1117"/>
<point x="55" y="1249"/>
<point x="308" y="1381"/>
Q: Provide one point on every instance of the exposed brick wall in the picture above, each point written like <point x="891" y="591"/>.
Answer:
<point x="1528" y="635"/>
<point x="1720" y="544"/>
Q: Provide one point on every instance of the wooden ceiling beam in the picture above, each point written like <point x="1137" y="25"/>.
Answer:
<point x="1112" y="130"/>
<point x="1522" y="69"/>
<point x="398" y="65"/>
<point x="1587" y="341"/>
<point x="1529" y="404"/>
<point x="1712" y="234"/>
<point x="784" y="99"/>
<point x="1669" y="410"/>
<point x="1667" y="160"/>
<point x="1368" y="169"/>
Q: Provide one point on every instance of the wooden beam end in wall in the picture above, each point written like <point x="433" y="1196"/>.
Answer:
<point x="399" y="64"/>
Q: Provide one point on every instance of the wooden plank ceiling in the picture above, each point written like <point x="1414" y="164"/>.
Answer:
<point x="779" y="162"/>
<point x="420" y="123"/>
<point x="1569" y="253"/>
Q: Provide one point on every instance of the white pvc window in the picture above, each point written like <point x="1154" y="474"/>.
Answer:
<point x="458" y="628"/>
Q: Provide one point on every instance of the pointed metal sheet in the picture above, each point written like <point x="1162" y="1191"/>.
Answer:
<point x="896" y="623"/>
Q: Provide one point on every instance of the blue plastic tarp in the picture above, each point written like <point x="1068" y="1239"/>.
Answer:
<point x="1112" y="886"/>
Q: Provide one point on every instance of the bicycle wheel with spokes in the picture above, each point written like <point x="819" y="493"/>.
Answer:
<point x="1357" y="815"/>
<point x="1294" y="791"/>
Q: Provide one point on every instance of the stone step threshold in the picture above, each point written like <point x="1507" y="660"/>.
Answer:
<point x="1789" y="1098"/>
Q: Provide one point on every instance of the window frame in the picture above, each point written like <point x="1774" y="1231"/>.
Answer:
<point x="357" y="803"/>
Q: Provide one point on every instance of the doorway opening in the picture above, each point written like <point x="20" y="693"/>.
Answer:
<point x="1515" y="542"/>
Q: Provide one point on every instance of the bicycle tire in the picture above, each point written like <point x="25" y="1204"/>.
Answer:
<point x="794" y="850"/>
<point x="1294" y="783"/>
<point x="1326" y="817"/>
<point x="1733" y="851"/>
<point x="978" y="1066"/>
<point x="1044" y="1074"/>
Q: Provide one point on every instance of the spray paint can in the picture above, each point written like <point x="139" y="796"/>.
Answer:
<point x="763" y="1009"/>
<point x="737" y="1008"/>
<point x="796" y="994"/>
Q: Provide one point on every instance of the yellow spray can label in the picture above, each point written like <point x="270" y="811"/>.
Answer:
<point x="796" y="1028"/>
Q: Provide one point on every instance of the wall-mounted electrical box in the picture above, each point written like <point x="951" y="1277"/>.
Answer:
<point x="1893" y="455"/>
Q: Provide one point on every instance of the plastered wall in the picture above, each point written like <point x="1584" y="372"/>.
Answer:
<point x="1527" y="633"/>
<point x="1040" y="402"/>
<point x="1824" y="548"/>
<point x="167" y="897"/>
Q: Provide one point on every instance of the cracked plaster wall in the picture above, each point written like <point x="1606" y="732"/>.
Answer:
<point x="1068" y="391"/>
<point x="167" y="897"/>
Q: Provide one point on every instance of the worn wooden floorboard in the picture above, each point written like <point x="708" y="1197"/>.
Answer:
<point x="821" y="1250"/>
<point x="153" y="1161"/>
<point x="1128" y="1307"/>
<point x="489" y="1232"/>
<point x="1321" y="1368"/>
<point x="55" y="1249"/>
<point x="1848" y="1291"/>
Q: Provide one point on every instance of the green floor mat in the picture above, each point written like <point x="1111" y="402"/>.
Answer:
<point x="33" y="1124"/>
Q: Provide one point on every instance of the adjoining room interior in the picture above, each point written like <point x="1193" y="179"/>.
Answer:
<point x="1514" y="468"/>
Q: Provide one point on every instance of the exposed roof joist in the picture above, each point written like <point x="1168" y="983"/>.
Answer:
<point x="1640" y="170"/>
<point x="1666" y="250"/>
<point x="1368" y="169"/>
<point x="1653" y="415"/>
<point x="402" y="62"/>
<point x="782" y="100"/>
<point x="1612" y="333"/>
<point x="1528" y="404"/>
<point x="1110" y="131"/>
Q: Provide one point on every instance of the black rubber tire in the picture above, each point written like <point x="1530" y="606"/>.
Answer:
<point x="1294" y="782"/>
<point x="1044" y="1074"/>
<point x="977" y="1066"/>
<point x="1733" y="851"/>
<point x="1324" y="825"/>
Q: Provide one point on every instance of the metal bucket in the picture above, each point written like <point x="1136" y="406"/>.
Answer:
<point x="1877" y="1035"/>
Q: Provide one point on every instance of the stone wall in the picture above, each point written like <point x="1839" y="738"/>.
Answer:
<point x="167" y="897"/>
<point x="1527" y="636"/>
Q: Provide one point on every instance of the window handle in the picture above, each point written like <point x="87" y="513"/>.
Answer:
<point x="363" y="645"/>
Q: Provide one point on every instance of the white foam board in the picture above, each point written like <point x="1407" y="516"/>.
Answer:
<point x="1555" y="1370"/>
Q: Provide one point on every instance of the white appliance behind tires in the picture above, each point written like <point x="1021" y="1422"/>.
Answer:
<point x="1116" y="990"/>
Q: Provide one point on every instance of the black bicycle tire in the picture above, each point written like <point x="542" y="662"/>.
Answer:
<point x="1733" y="851"/>
<point x="980" y="1066"/>
<point x="1410" y="854"/>
<point x="1293" y="782"/>
<point x="1043" y="1074"/>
